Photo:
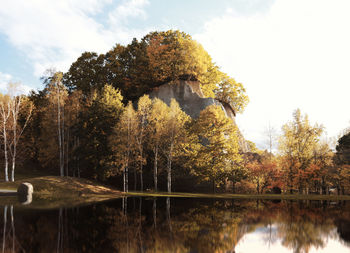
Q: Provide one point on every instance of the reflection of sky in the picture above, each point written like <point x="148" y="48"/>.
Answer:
<point x="256" y="242"/>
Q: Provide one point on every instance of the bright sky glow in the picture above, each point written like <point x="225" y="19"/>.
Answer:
<point x="256" y="242"/>
<point x="288" y="54"/>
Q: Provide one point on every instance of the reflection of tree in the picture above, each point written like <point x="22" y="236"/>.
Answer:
<point x="303" y="228"/>
<point x="10" y="242"/>
<point x="182" y="226"/>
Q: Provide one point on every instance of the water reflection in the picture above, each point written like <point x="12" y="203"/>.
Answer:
<point x="178" y="225"/>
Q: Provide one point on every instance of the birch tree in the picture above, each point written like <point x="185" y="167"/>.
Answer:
<point x="123" y="142"/>
<point x="143" y="112"/>
<point x="52" y="137"/>
<point x="16" y="104"/>
<point x="175" y="136"/>
<point x="157" y="129"/>
<point x="5" y="112"/>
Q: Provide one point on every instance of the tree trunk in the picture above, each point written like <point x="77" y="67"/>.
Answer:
<point x="169" y="175"/>
<point x="127" y="178"/>
<point x="78" y="167"/>
<point x="14" y="116"/>
<point x="135" y="179"/>
<point x="63" y="141"/>
<point x="155" y="170"/>
<point x="67" y="154"/>
<point x="13" y="228"/>
<point x="4" y="230"/>
<point x="59" y="131"/>
<point x="13" y="166"/>
<point x="155" y="213"/>
<point x="5" y="153"/>
<point x="5" y="115"/>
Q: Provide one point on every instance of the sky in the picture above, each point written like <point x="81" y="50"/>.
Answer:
<point x="287" y="54"/>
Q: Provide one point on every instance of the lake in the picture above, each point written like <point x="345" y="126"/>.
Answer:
<point x="191" y="225"/>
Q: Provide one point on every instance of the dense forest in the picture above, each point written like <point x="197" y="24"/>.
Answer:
<point x="97" y="121"/>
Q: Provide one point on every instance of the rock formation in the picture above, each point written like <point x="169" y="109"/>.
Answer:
<point x="192" y="101"/>
<point x="25" y="192"/>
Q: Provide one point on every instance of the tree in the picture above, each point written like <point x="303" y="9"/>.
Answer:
<point x="96" y="123"/>
<point x="270" y="133"/>
<point x="87" y="73"/>
<point x="174" y="55"/>
<point x="158" y="58"/>
<point x="262" y="173"/>
<point x="323" y="159"/>
<point x="123" y="141"/>
<point x="17" y="105"/>
<point x="296" y="145"/>
<point x="53" y="122"/>
<point x="144" y="106"/>
<point x="218" y="152"/>
<point x="230" y="92"/>
<point x="5" y="114"/>
<point x="175" y="135"/>
<point x="157" y="131"/>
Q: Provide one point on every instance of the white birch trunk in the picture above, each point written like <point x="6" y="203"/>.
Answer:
<point x="59" y="130"/>
<point x="5" y="115"/>
<point x="155" y="171"/>
<point x="17" y="133"/>
<point x="4" y="230"/>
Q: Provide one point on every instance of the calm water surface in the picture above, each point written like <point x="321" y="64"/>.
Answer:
<point x="179" y="225"/>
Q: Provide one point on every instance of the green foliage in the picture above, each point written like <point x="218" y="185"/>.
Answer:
<point x="96" y="123"/>
<point x="88" y="72"/>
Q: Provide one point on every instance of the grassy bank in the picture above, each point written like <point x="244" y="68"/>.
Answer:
<point x="52" y="191"/>
<point x="242" y="196"/>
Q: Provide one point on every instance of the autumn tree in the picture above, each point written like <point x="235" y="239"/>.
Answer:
<point x="87" y="73"/>
<point x="5" y="112"/>
<point x="323" y="165"/>
<point x="21" y="111"/>
<point x="123" y="142"/>
<point x="96" y="123"/>
<point x="144" y="107"/>
<point x="296" y="145"/>
<point x="52" y="132"/>
<point x="263" y="173"/>
<point x="157" y="129"/>
<point x="230" y="92"/>
<point x="158" y="58"/>
<point x="218" y="153"/>
<point x="175" y="136"/>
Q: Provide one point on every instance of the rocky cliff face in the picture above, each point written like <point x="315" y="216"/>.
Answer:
<point x="192" y="101"/>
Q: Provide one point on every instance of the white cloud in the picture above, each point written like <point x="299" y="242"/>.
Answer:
<point x="131" y="8"/>
<point x="296" y="55"/>
<point x="6" y="79"/>
<point x="55" y="33"/>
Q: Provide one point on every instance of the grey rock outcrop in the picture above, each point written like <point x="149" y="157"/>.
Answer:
<point x="192" y="101"/>
<point x="187" y="93"/>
